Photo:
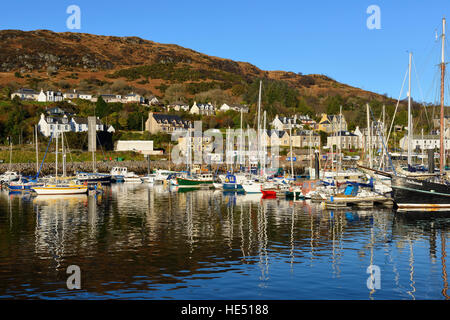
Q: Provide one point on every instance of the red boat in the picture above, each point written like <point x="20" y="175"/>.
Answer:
<point x="269" y="193"/>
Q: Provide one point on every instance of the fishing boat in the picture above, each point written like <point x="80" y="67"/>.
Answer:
<point x="233" y="182"/>
<point x="194" y="180"/>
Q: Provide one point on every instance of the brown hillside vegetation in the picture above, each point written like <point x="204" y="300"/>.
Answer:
<point x="66" y="61"/>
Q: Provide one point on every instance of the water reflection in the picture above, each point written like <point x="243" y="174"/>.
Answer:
<point x="153" y="242"/>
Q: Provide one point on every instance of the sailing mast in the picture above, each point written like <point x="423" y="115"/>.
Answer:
<point x="263" y="145"/>
<point x="37" y="149"/>
<point x="259" y="124"/>
<point x="369" y="137"/>
<point x="56" y="153"/>
<point x="410" y="127"/>
<point x="441" y="160"/>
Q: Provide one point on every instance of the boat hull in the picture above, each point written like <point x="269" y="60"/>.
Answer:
<point x="94" y="180"/>
<point x="79" y="189"/>
<point x="413" y="194"/>
<point x="184" y="182"/>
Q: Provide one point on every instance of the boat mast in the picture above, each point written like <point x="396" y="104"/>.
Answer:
<point x="63" y="154"/>
<point x="56" y="153"/>
<point x="410" y="128"/>
<point x="263" y="155"/>
<point x="259" y="123"/>
<point x="37" y="149"/>
<point x="441" y="162"/>
<point x="241" y="145"/>
<point x="290" y="147"/>
<point x="338" y="169"/>
<point x="369" y="137"/>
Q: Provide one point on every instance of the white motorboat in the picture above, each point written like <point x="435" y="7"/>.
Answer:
<point x="162" y="175"/>
<point x="251" y="186"/>
<point x="150" y="178"/>
<point x="9" y="176"/>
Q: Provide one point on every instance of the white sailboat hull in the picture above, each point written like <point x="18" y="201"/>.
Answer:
<point x="50" y="190"/>
<point x="254" y="187"/>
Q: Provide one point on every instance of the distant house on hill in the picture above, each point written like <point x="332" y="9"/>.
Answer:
<point x="158" y="122"/>
<point x="108" y="98"/>
<point x="134" y="98"/>
<point x="203" y="109"/>
<point x="286" y="123"/>
<point x="50" y="96"/>
<point x="49" y="125"/>
<point x="332" y="123"/>
<point x="57" y="111"/>
<point x="25" y="94"/>
<point x="80" y="124"/>
<point x="178" y="107"/>
<point x="235" y="107"/>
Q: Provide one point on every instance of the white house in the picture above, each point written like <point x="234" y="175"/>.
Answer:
<point x="50" y="125"/>
<point x="285" y="123"/>
<point x="50" y="96"/>
<point x="178" y="107"/>
<point x="344" y="139"/>
<point x="152" y="100"/>
<point x="141" y="146"/>
<point x="25" y="94"/>
<point x="134" y="98"/>
<point x="224" y="107"/>
<point x="81" y="124"/>
<point x="85" y="96"/>
<point x="71" y="95"/>
<point x="202" y="109"/>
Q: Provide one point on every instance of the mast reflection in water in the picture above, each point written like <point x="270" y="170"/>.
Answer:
<point x="139" y="241"/>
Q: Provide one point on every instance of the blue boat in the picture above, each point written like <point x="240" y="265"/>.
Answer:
<point x="231" y="184"/>
<point x="24" y="184"/>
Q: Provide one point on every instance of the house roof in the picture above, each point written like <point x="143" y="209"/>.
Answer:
<point x="160" y="118"/>
<point x="81" y="120"/>
<point x="26" y="91"/>
<point x="345" y="134"/>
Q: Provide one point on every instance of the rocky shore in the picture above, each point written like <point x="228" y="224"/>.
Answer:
<point x="139" y="167"/>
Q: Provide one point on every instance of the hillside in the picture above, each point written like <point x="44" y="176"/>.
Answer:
<point x="108" y="64"/>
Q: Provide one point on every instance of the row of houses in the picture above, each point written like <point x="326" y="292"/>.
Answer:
<point x="57" y="96"/>
<point x="207" y="109"/>
<point x="50" y="125"/>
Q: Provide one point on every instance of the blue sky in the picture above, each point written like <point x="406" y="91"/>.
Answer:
<point x="324" y="37"/>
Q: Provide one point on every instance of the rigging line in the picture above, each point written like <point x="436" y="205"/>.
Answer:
<point x="421" y="92"/>
<point x="396" y="107"/>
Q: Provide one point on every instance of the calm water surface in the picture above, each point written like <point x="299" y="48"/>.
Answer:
<point x="144" y="242"/>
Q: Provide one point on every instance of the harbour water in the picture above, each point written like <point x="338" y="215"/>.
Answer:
<point x="145" y="242"/>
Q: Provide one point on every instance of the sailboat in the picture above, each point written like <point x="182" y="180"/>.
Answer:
<point x="430" y="192"/>
<point x="61" y="186"/>
<point x="192" y="180"/>
<point x="255" y="185"/>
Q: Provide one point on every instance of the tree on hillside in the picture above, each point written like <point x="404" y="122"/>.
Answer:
<point x="175" y="93"/>
<point x="215" y="96"/>
<point x="101" y="108"/>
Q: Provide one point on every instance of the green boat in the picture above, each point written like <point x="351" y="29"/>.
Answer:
<point x="202" y="179"/>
